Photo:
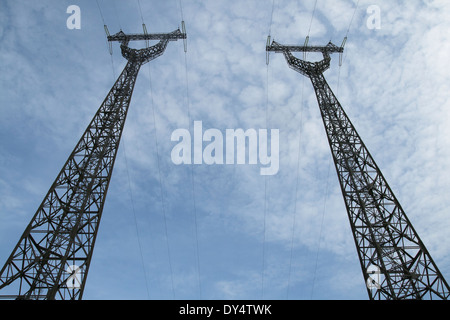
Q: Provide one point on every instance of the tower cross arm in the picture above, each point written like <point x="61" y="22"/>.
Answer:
<point x="149" y="53"/>
<point x="329" y="48"/>
<point x="172" y="36"/>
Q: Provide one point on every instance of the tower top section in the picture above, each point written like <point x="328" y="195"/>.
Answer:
<point x="150" y="52"/>
<point x="305" y="67"/>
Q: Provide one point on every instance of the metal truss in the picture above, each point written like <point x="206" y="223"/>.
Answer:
<point x="394" y="261"/>
<point x="52" y="258"/>
<point x="124" y="38"/>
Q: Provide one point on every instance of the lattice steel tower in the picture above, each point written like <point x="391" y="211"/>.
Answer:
<point x="394" y="261"/>
<point x="52" y="258"/>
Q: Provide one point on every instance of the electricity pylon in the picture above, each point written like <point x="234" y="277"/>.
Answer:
<point x="394" y="261"/>
<point x="51" y="260"/>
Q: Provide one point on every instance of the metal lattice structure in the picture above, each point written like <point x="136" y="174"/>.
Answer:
<point x="52" y="258"/>
<point x="394" y="261"/>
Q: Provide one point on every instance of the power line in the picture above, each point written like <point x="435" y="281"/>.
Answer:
<point x="193" y="181"/>
<point x="135" y="221"/>
<point x="321" y="228"/>
<point x="101" y="14"/>
<point x="117" y="14"/>
<point x="126" y="165"/>
<point x="181" y="10"/>
<point x="271" y="17"/>
<point x="140" y="11"/>
<point x="157" y="154"/>
<point x="192" y="171"/>
<point x="353" y="16"/>
<point x="160" y="179"/>
<point x="265" y="202"/>
<point x="349" y="26"/>
<point x="161" y="182"/>
<point x="298" y="158"/>
<point x="113" y="68"/>
<point x="312" y="16"/>
<point x="296" y="190"/>
<point x="294" y="214"/>
<point x="263" y="262"/>
<point x="107" y="42"/>
<point x="264" y="239"/>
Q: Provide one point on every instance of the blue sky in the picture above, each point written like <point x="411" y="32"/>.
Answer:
<point x="228" y="233"/>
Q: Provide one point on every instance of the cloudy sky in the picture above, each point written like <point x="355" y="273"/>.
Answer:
<point x="225" y="231"/>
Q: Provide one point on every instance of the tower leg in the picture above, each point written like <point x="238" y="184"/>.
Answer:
<point x="52" y="258"/>
<point x="394" y="261"/>
<point x="62" y="233"/>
